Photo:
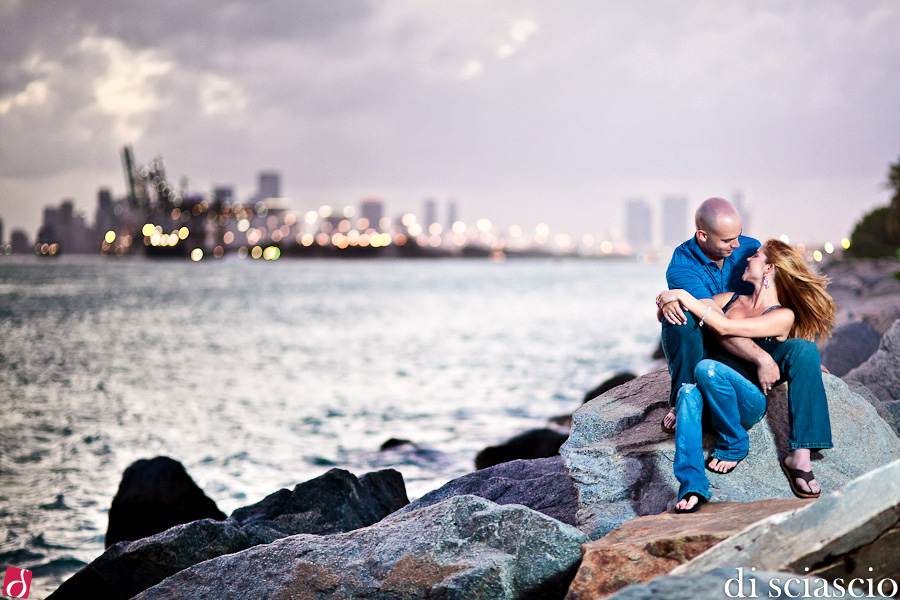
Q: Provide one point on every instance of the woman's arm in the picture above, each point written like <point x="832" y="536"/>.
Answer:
<point x="668" y="296"/>
<point x="776" y="323"/>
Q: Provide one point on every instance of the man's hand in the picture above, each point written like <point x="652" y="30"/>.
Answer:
<point x="672" y="313"/>
<point x="767" y="371"/>
<point x="824" y="370"/>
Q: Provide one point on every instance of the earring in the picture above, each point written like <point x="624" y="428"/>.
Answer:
<point x="766" y="281"/>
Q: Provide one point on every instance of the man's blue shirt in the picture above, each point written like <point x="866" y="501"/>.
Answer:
<point x="693" y="271"/>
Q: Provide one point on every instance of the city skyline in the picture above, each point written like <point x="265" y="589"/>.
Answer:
<point x="522" y="112"/>
<point x="153" y="198"/>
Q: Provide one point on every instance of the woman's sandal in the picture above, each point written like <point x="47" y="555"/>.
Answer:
<point x="793" y="474"/>
<point x="725" y="472"/>
<point x="662" y="424"/>
<point x="700" y="502"/>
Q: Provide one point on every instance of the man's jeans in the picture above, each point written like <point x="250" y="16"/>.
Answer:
<point x="800" y="367"/>
<point x="735" y="405"/>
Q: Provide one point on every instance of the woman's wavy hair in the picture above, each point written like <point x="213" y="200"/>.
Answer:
<point x="801" y="290"/>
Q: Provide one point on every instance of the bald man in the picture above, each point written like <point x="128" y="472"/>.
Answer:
<point x="712" y="262"/>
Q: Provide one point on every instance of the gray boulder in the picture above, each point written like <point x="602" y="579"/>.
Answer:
<point x="742" y="583"/>
<point x="851" y="533"/>
<point x="334" y="502"/>
<point x="541" y="484"/>
<point x="621" y="462"/>
<point x="536" y="443"/>
<point x="881" y="372"/>
<point x="464" y="547"/>
<point x="849" y="347"/>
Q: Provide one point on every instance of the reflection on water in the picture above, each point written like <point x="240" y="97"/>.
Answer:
<point x="258" y="376"/>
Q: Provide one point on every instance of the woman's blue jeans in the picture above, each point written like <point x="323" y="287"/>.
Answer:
<point x="735" y="405"/>
<point x="800" y="366"/>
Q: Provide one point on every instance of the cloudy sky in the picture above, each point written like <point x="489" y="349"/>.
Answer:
<point x="523" y="111"/>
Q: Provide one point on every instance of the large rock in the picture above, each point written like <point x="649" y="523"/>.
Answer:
<point x="621" y="462"/>
<point x="613" y="382"/>
<point x="730" y="583"/>
<point x="850" y="346"/>
<point x="647" y="547"/>
<point x="334" y="502"/>
<point x="156" y="494"/>
<point x="881" y="372"/>
<point x="464" y="547"/>
<point x="537" y="443"/>
<point x="853" y="532"/>
<point x="541" y="484"/>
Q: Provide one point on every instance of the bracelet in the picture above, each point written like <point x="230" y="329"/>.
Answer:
<point x="706" y="314"/>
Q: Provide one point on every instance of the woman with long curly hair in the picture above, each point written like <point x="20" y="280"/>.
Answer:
<point x="788" y="300"/>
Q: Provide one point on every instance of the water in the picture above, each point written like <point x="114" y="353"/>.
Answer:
<point x="259" y="375"/>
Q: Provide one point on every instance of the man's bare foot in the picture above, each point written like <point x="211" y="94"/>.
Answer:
<point x="722" y="466"/>
<point x="799" y="461"/>
<point x="668" y="422"/>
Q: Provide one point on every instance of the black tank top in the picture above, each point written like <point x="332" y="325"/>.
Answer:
<point x="744" y="367"/>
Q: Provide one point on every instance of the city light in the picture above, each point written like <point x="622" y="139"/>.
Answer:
<point x="784" y="238"/>
<point x="196" y="255"/>
<point x="483" y="225"/>
<point x="817" y="255"/>
<point x="110" y="237"/>
<point x="829" y="247"/>
<point x="845" y="243"/>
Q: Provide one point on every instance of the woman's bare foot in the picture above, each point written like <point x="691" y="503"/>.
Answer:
<point x="722" y="466"/>
<point x="687" y="503"/>
<point x="799" y="460"/>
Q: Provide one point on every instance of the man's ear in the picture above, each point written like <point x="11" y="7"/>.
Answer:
<point x="702" y="235"/>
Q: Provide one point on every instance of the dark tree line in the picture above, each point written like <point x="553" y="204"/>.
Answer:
<point x="877" y="235"/>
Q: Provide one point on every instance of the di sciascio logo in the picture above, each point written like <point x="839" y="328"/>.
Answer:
<point x="801" y="587"/>
<point x="17" y="582"/>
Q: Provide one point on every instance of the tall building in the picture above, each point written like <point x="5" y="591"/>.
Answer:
<point x="740" y="204"/>
<point x="223" y="196"/>
<point x="452" y="215"/>
<point x="269" y="185"/>
<point x="674" y="220"/>
<point x="19" y="242"/>
<point x="47" y="234"/>
<point x="64" y="227"/>
<point x="372" y="211"/>
<point x="430" y="213"/>
<point x="638" y="224"/>
<point x="105" y="219"/>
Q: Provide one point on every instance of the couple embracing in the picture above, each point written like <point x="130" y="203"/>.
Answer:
<point x="738" y="319"/>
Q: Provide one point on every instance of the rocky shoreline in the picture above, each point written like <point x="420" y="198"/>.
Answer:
<point x="593" y="521"/>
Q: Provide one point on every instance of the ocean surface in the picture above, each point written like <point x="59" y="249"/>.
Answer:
<point x="260" y="375"/>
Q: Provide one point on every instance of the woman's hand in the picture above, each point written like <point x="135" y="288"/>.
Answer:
<point x="667" y="296"/>
<point x="670" y="308"/>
